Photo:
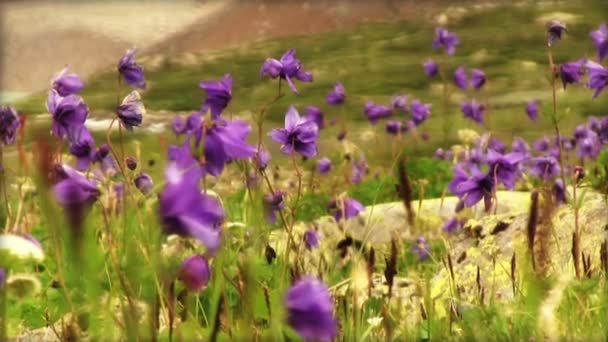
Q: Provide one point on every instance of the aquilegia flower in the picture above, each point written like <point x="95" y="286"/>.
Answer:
<point x="274" y="203"/>
<point x="82" y="146"/>
<point x="130" y="71"/>
<point x="445" y="40"/>
<point x="262" y="158"/>
<point x="393" y="127"/>
<point x="479" y="185"/>
<point x="185" y="211"/>
<point x="337" y="95"/>
<point x="311" y="239"/>
<point x="68" y="113"/>
<point x="505" y="167"/>
<point x="287" y="68"/>
<point x="75" y="193"/>
<point x="376" y="112"/>
<point x="421" y="248"/>
<point x="67" y="83"/>
<point x="460" y="78"/>
<point x="310" y="310"/>
<point x="459" y="175"/>
<point x="226" y="141"/>
<point x="195" y="273"/>
<point x="478" y="79"/>
<point x="532" y="110"/>
<point x="131" y="112"/>
<point x="589" y="146"/>
<point x="545" y="168"/>
<point x="219" y="94"/>
<point x="9" y="124"/>
<point x="598" y="77"/>
<point x="324" y="166"/>
<point x="299" y="135"/>
<point x="420" y="112"/>
<point x="452" y="225"/>
<point x="143" y="182"/>
<point x="571" y="72"/>
<point x="600" y="38"/>
<point x="519" y="145"/>
<point x="400" y="102"/>
<point x="431" y="69"/>
<point x="555" y="29"/>
<point x="315" y="115"/>
<point x="345" y="207"/>
<point x="360" y="169"/>
<point x="473" y="110"/>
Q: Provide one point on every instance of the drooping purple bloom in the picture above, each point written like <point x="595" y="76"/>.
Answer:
<point x="324" y="166"/>
<point x="315" y="115"/>
<point x="219" y="94"/>
<point x="376" y="112"/>
<point x="9" y="124"/>
<point x="226" y="141"/>
<point x="519" y="145"/>
<point x="422" y="249"/>
<point x="476" y="156"/>
<point x="452" y="225"/>
<point x="310" y="310"/>
<point x="445" y="40"/>
<point x="420" y="112"/>
<point x="431" y="69"/>
<point x="67" y="83"/>
<point x="545" y="168"/>
<point x="274" y="203"/>
<point x="532" y="110"/>
<point x="571" y="72"/>
<point x="477" y="186"/>
<point x="130" y="71"/>
<point x="195" y="273"/>
<point x="393" y="127"/>
<point x="581" y="132"/>
<point x="68" y="113"/>
<point x="504" y="167"/>
<point x="496" y="145"/>
<point x="400" y="102"/>
<point x="337" y="95"/>
<point x="105" y="159"/>
<point x="598" y="77"/>
<point x="589" y="146"/>
<point x="478" y="79"/>
<point x="473" y="110"/>
<point x="459" y="175"/>
<point x="131" y="163"/>
<point x="542" y="145"/>
<point x="360" y="169"/>
<point x="559" y="192"/>
<point x="75" y="193"/>
<point x="555" y="29"/>
<point x="262" y="158"/>
<point x="311" y="239"/>
<point x="131" y="111"/>
<point x="299" y="135"/>
<point x="600" y="39"/>
<point x="143" y="182"/>
<point x="185" y="211"/>
<point x="287" y="68"/>
<point x="460" y="78"/>
<point x="345" y="208"/>
<point x="82" y="146"/>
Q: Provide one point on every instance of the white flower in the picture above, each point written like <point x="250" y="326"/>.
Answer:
<point x="20" y="247"/>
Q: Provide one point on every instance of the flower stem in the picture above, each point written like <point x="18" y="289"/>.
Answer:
<point x="4" y="193"/>
<point x="554" y="117"/>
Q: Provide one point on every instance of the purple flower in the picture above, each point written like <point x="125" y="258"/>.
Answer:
<point x="219" y="94"/>
<point x="324" y="166"/>
<point x="554" y="31"/>
<point x="571" y="72"/>
<point x="460" y="78"/>
<point x="315" y="115"/>
<point x="545" y="168"/>
<point x="439" y="154"/>
<point x="9" y="124"/>
<point x="376" y="112"/>
<point x="452" y="225"/>
<point x="105" y="159"/>
<point x="131" y="163"/>
<point x="532" y="110"/>
<point x="422" y="249"/>
<point x="399" y="102"/>
<point x="581" y="132"/>
<point x="299" y="135"/>
<point x="589" y="146"/>
<point x="262" y="158"/>
<point x="542" y="145"/>
<point x="431" y="69"/>
<point x="226" y="141"/>
<point x="68" y="113"/>
<point x="496" y="145"/>
<point x="559" y="192"/>
<point x="287" y="68"/>
<point x="310" y="310"/>
<point x="195" y="273"/>
<point x="478" y="79"/>
<point x="600" y="38"/>
<point x="143" y="182"/>
<point x="131" y="112"/>
<point x="75" y="193"/>
<point x="345" y="208"/>
<point x="479" y="185"/>
<point x="598" y="77"/>
<point x="445" y="40"/>
<point x="505" y="167"/>
<point x="473" y="110"/>
<point x="459" y="176"/>
<point x="393" y="127"/>
<point x="360" y="169"/>
<point x="519" y="145"/>
<point x="67" y="83"/>
<point x="82" y="146"/>
<point x="337" y="95"/>
<point x="185" y="211"/>
<point x="311" y="239"/>
<point x="130" y="71"/>
<point x="420" y="112"/>
<point x="2" y="277"/>
<point x="273" y="203"/>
